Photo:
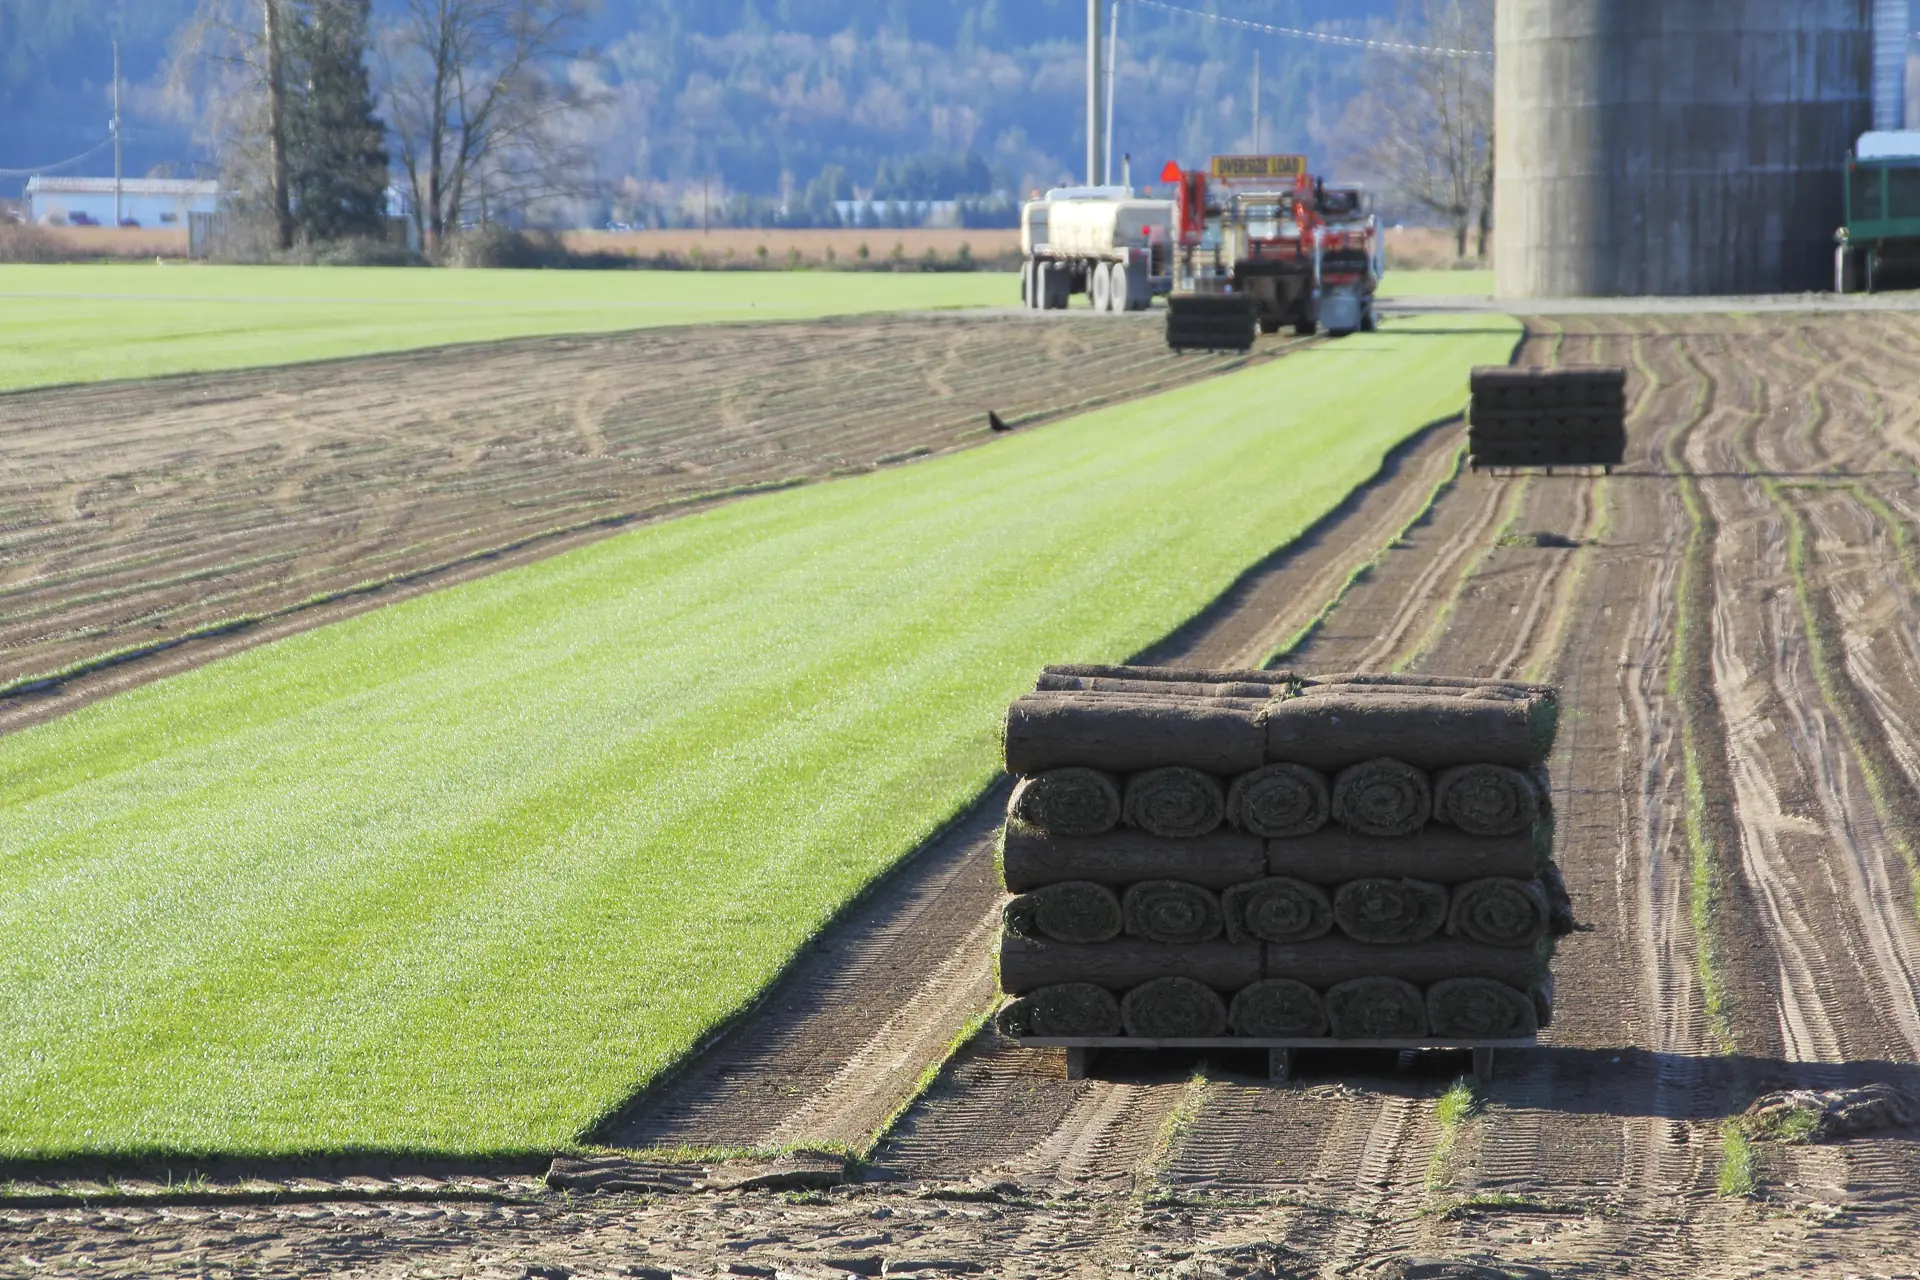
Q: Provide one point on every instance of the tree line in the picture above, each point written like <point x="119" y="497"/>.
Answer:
<point x="318" y="112"/>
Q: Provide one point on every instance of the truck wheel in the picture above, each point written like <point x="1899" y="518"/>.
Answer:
<point x="1305" y="328"/>
<point x="1269" y="324"/>
<point x="1026" y="283"/>
<point x="1368" y="321"/>
<point x="1100" y="287"/>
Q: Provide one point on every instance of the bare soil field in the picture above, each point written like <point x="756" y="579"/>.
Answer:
<point x="137" y="515"/>
<point x="1729" y="618"/>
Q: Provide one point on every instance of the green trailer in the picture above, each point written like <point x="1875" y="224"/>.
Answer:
<point x="1879" y="245"/>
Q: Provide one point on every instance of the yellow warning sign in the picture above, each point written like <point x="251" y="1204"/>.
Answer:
<point x="1228" y="168"/>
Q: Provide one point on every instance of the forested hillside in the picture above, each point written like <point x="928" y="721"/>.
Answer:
<point x="919" y="99"/>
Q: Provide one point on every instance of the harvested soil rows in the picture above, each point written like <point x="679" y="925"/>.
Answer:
<point x="134" y="514"/>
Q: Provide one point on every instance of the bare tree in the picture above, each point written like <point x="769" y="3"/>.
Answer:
<point x="1424" y="125"/>
<point x="479" y="111"/>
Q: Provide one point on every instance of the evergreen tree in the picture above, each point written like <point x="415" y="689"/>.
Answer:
<point x="336" y="140"/>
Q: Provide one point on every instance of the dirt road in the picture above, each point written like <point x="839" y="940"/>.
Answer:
<point x="1739" y="773"/>
<point x="136" y="514"/>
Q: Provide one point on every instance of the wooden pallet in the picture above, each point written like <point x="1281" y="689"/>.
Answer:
<point x="1081" y="1050"/>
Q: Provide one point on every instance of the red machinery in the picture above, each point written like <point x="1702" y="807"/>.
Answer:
<point x="1263" y="243"/>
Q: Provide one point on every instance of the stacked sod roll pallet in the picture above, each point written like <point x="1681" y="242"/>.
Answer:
<point x="1251" y="855"/>
<point x="1573" y="417"/>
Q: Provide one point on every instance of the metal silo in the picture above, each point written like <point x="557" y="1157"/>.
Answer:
<point x="1684" y="147"/>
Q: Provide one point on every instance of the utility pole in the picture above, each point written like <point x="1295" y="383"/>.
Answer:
<point x="1093" y="93"/>
<point x="1256" y="103"/>
<point x="117" y="214"/>
<point x="1113" y="70"/>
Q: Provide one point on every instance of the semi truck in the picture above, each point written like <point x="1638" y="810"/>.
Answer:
<point x="1878" y="246"/>
<point x="1105" y="242"/>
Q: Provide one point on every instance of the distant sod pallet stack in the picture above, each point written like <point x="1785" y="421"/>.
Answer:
<point x="1573" y="417"/>
<point x="1258" y="858"/>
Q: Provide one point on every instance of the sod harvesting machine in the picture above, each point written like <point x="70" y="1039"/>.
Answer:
<point x="1248" y="245"/>
<point x="1264" y="244"/>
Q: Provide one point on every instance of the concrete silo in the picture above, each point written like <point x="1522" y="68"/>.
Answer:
<point x="1676" y="146"/>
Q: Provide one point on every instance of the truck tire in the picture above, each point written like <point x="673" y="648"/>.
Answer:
<point x="1056" y="286"/>
<point x="1139" y="286"/>
<point x="1306" y="328"/>
<point x="1269" y="324"/>
<point x="1026" y="283"/>
<point x="1100" y="287"/>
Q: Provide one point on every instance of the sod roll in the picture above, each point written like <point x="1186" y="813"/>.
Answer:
<point x="1480" y="1009"/>
<point x="1277" y="1007"/>
<point x="1076" y="911"/>
<point x="1171" y="912"/>
<point x="1154" y="688"/>
<point x="1026" y="965"/>
<point x="1376" y="1009"/>
<point x="1030" y="858"/>
<point x="1541" y="994"/>
<point x="1334" y="959"/>
<point x="1067" y="802"/>
<point x="1428" y="730"/>
<point x="1069" y="1009"/>
<point x="1174" y="803"/>
<point x="1382" y="797"/>
<point x="1385" y="912"/>
<point x="1276" y="909"/>
<point x="1122" y="733"/>
<point x="1175" y="675"/>
<point x="1458" y="685"/>
<point x="1439" y="854"/>
<point x="1486" y="799"/>
<point x="1280" y="800"/>
<point x="1173" y="1009"/>
<point x="1500" y="912"/>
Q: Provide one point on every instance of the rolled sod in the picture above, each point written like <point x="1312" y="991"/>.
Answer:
<point x="1440" y="854"/>
<point x="1068" y="802"/>
<point x="1030" y="858"/>
<point x="1382" y="797"/>
<point x="1174" y="803"/>
<point x="1172" y="912"/>
<point x="1541" y="994"/>
<point x="1500" y="912"/>
<point x="1074" y="911"/>
<point x="1280" y="800"/>
<point x="1069" y="1009"/>
<point x="1122" y="733"/>
<point x="1333" y="959"/>
<point x="1480" y="1009"/>
<point x="1173" y="1009"/>
<point x="1026" y="965"/>
<point x="1456" y="686"/>
<point x="1155" y="688"/>
<point x="1384" y="912"/>
<point x="1277" y="1007"/>
<point x="1486" y="799"/>
<point x="1272" y="680"/>
<point x="1277" y="909"/>
<point x="1429" y="730"/>
<point x="1376" y="1009"/>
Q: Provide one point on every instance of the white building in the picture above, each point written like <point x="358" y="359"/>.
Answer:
<point x="145" y="202"/>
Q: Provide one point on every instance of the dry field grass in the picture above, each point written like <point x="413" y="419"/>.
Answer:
<point x="742" y="245"/>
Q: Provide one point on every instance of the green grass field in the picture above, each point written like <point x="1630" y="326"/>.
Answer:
<point x="61" y="324"/>
<point x="1437" y="284"/>
<point x="458" y="875"/>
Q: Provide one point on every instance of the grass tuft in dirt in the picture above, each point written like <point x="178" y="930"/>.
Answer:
<point x="1460" y="1104"/>
<point x="1738" y="1177"/>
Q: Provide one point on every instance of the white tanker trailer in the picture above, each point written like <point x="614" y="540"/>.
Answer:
<point x="1105" y="242"/>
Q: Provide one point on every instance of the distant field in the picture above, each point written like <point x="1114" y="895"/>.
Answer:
<point x="64" y="324"/>
<point x="1437" y="284"/>
<point x="460" y="874"/>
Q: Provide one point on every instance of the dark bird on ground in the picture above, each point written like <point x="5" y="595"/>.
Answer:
<point x="993" y="420"/>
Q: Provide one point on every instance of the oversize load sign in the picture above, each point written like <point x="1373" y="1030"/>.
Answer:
<point x="1228" y="167"/>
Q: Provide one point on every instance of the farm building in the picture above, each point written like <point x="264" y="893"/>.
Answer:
<point x="145" y="202"/>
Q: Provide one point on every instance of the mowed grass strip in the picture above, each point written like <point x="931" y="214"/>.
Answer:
<point x="459" y="875"/>
<point x="68" y="324"/>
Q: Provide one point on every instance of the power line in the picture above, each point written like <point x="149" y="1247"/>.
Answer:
<point x="64" y="164"/>
<point x="1315" y="37"/>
